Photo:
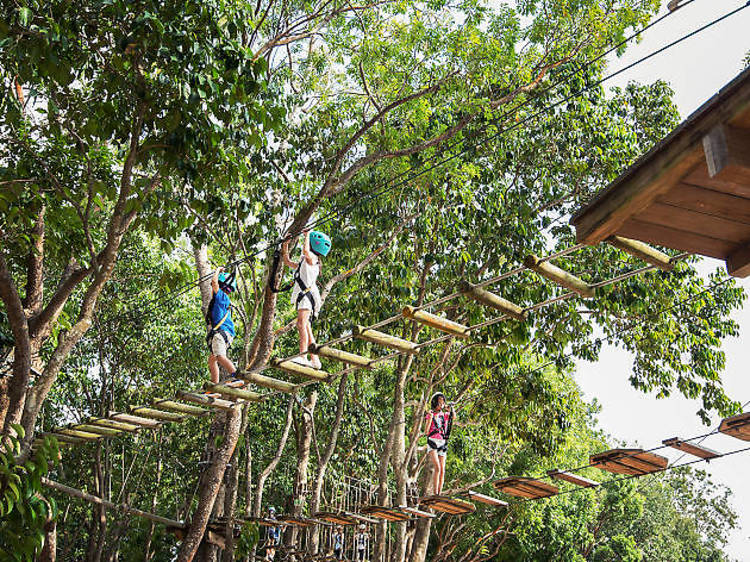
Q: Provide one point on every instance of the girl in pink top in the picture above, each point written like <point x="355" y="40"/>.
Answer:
<point x="437" y="428"/>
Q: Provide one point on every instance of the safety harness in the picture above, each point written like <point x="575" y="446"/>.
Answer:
<point x="304" y="291"/>
<point x="213" y="330"/>
<point x="446" y="431"/>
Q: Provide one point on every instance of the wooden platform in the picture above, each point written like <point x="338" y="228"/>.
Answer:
<point x="335" y="517"/>
<point x="572" y="478"/>
<point x="528" y="488"/>
<point x="691" y="448"/>
<point x="447" y="504"/>
<point x="737" y="426"/>
<point x="691" y="192"/>
<point x="387" y="513"/>
<point x="635" y="462"/>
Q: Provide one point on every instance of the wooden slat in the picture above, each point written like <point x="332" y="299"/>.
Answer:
<point x="691" y="448"/>
<point x="447" y="504"/>
<point x="240" y="393"/>
<point x="493" y="301"/>
<point x="172" y="406"/>
<point x="202" y="399"/>
<point x="629" y="461"/>
<point x="738" y="262"/>
<point x="134" y="420"/>
<point x="341" y="355"/>
<point x="489" y="500"/>
<point x="709" y="202"/>
<point x="75" y="433"/>
<point x="572" y="478"/>
<point x="155" y="414"/>
<point x="386" y="513"/>
<point x="435" y="321"/>
<point x="362" y="518"/>
<point x="525" y="487"/>
<point x="737" y="426"/>
<point x="301" y="370"/>
<point x="693" y="221"/>
<point x="699" y="177"/>
<point x="643" y="252"/>
<point x="559" y="276"/>
<point x="91" y="428"/>
<point x="677" y="239"/>
<point x="336" y="517"/>
<point x="269" y="382"/>
<point x="66" y="438"/>
<point x="105" y="422"/>
<point x="386" y="340"/>
<point x="417" y="512"/>
<point x="297" y="521"/>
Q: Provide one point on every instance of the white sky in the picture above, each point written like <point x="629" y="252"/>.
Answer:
<point x="696" y="69"/>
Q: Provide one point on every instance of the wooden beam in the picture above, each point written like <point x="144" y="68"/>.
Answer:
<point x="204" y="400"/>
<point x="727" y="151"/>
<point x="691" y="448"/>
<point x="341" y="355"/>
<point x="155" y="414"/>
<point x="695" y="243"/>
<point x="76" y="433"/>
<point x="417" y="512"/>
<point x="91" y="428"/>
<point x="268" y="382"/>
<point x="493" y="301"/>
<point x="559" y="276"/>
<point x="240" y="393"/>
<point x="386" y="340"/>
<point x="736" y="426"/>
<point x="738" y="262"/>
<point x="135" y="420"/>
<point x="489" y="500"/>
<point x="66" y="438"/>
<point x="643" y="252"/>
<point x="301" y="370"/>
<point x="105" y="422"/>
<point x="572" y="478"/>
<point x="435" y="321"/>
<point x="172" y="406"/>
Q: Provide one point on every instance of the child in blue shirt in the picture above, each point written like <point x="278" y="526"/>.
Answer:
<point x="220" y="325"/>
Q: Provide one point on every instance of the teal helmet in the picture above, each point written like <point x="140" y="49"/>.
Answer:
<point x="320" y="244"/>
<point x="227" y="282"/>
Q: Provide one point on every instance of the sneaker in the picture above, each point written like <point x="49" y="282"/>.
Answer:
<point x="316" y="362"/>
<point x="302" y="361"/>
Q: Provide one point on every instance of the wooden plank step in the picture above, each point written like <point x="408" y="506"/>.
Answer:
<point x="642" y="251"/>
<point x="523" y="487"/>
<point x="134" y="420"/>
<point x="76" y="433"/>
<point x="269" y="382"/>
<point x="66" y="438"/>
<point x="559" y="276"/>
<point x="492" y="300"/>
<point x="234" y="393"/>
<point x="489" y="500"/>
<point x="335" y="517"/>
<point x="417" y="512"/>
<point x="691" y="448"/>
<point x="737" y="426"/>
<point x="362" y="518"/>
<point x="387" y="340"/>
<point x="435" y="321"/>
<point x="204" y="400"/>
<point x="635" y="462"/>
<point x="297" y="521"/>
<point x="172" y="406"/>
<point x="341" y="355"/>
<point x="301" y="370"/>
<point x="447" y="504"/>
<point x="106" y="422"/>
<point x="387" y="513"/>
<point x="155" y="414"/>
<point x="90" y="428"/>
<point x="572" y="478"/>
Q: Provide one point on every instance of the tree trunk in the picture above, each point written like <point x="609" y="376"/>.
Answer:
<point x="49" y="550"/>
<point x="266" y="472"/>
<point x="304" y="443"/>
<point x="323" y="463"/>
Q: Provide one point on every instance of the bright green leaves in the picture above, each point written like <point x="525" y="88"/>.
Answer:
<point x="24" y="508"/>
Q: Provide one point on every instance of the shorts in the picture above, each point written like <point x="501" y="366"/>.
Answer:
<point x="306" y="302"/>
<point x="439" y="445"/>
<point x="219" y="344"/>
<point x="360" y="555"/>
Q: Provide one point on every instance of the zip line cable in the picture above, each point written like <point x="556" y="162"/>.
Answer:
<point x="376" y="193"/>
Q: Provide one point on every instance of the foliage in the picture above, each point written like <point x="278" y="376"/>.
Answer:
<point x="24" y="507"/>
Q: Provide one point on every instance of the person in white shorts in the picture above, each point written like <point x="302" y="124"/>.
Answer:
<point x="306" y="296"/>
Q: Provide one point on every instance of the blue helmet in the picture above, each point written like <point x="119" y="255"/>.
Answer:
<point x="320" y="244"/>
<point x="227" y="282"/>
